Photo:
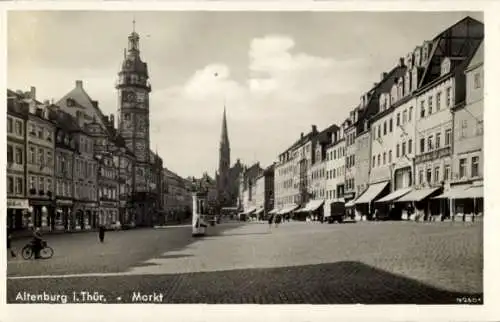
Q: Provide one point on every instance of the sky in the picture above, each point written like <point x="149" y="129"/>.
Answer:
<point x="277" y="73"/>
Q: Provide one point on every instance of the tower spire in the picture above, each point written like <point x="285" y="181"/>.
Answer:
<point x="224" y="136"/>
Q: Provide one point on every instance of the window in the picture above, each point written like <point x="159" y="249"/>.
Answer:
<point x="41" y="156"/>
<point x="479" y="129"/>
<point x="49" y="158"/>
<point x="430" y="145"/>
<point x="403" y="149"/>
<point x="436" y="174"/>
<point x="378" y="131"/>
<point x="462" y="168"/>
<point x="405" y="116"/>
<point x="49" y="184"/>
<point x="41" y="184"/>
<point x="410" y="113"/>
<point x="19" y="128"/>
<point x="127" y="117"/>
<point x="448" y="97"/>
<point x="429" y="175"/>
<point x="384" y="158"/>
<point x="390" y="156"/>
<point x="373" y="162"/>
<point x="32" y="182"/>
<point x="438" y="140"/>
<point x="10" y="185"/>
<point x="474" y="171"/>
<point x="385" y="128"/>
<point x="422" y="145"/>
<point x="421" y="176"/>
<point x="422" y="109"/>
<point x="447" y="137"/>
<point x="429" y="103"/>
<point x="438" y="101"/>
<point x="477" y="80"/>
<point x="10" y="126"/>
<point x="463" y="132"/>
<point x="397" y="151"/>
<point x="410" y="144"/>
<point x="398" y="121"/>
<point x="334" y="154"/>
<point x="378" y="160"/>
<point x="19" y="155"/>
<point x="10" y="153"/>
<point x="390" y="125"/>
<point x="19" y="186"/>
<point x="40" y="132"/>
<point x="447" y="172"/>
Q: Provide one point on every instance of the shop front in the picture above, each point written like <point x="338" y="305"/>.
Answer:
<point x="364" y="204"/>
<point x="313" y="210"/>
<point x="63" y="214"/>
<point x="17" y="213"/>
<point x="418" y="204"/>
<point x="40" y="211"/>
<point x="463" y="202"/>
<point x="108" y="213"/>
<point x="388" y="209"/>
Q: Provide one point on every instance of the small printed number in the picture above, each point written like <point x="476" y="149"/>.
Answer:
<point x="469" y="300"/>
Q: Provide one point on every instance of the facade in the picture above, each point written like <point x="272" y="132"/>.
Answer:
<point x="227" y="177"/>
<point x="335" y="170"/>
<point x="260" y="195"/>
<point x="248" y="188"/>
<point x="17" y="201"/>
<point x="40" y="163"/>
<point x="177" y="199"/>
<point x="268" y="189"/>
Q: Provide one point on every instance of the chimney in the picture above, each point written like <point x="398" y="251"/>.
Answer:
<point x="301" y="135"/>
<point x="383" y="76"/>
<point x="314" y="128"/>
<point x="79" y="84"/>
<point x="33" y="92"/>
<point x="112" y="120"/>
<point x="401" y="62"/>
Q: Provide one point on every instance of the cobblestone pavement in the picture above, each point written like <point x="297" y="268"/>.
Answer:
<point x="386" y="262"/>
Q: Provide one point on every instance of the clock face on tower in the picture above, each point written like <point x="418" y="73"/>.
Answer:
<point x="141" y="97"/>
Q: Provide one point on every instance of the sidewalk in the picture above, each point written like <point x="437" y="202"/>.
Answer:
<point x="23" y="234"/>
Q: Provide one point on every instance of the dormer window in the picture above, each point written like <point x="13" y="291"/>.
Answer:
<point x="394" y="94"/>
<point x="445" y="66"/>
<point x="400" y="87"/>
<point x="70" y="102"/>
<point x="414" y="81"/>
<point x="407" y="85"/>
<point x="418" y="58"/>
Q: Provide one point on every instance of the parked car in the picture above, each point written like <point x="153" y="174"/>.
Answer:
<point x="116" y="225"/>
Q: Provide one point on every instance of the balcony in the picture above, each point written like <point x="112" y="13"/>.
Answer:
<point x="433" y="155"/>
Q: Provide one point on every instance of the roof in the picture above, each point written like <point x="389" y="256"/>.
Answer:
<point x="478" y="57"/>
<point x="84" y="102"/>
<point x="63" y="120"/>
<point x="459" y="40"/>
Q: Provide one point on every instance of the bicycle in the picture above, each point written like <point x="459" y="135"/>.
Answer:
<point x="45" y="253"/>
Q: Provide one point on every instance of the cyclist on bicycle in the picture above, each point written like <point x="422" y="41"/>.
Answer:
<point x="37" y="242"/>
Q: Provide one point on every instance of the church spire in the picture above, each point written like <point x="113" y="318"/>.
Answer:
<point x="224" y="139"/>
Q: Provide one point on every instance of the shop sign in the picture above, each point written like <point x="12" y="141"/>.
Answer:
<point x="18" y="203"/>
<point x="63" y="202"/>
<point x="108" y="204"/>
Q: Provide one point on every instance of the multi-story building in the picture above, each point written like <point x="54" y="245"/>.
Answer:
<point x="465" y="193"/>
<point x="268" y="189"/>
<point x="17" y="203"/>
<point x="177" y="199"/>
<point x="291" y="174"/>
<point x="335" y="170"/>
<point x="260" y="194"/>
<point x="442" y="87"/>
<point x="248" y="188"/>
<point x="64" y="180"/>
<point x="40" y="163"/>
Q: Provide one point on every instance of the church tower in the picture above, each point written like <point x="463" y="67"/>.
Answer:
<point x="223" y="183"/>
<point x="133" y="109"/>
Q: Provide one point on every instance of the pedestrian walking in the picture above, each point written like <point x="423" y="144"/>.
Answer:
<point x="270" y="220"/>
<point x="277" y="220"/>
<point x="9" y="244"/>
<point x="102" y="231"/>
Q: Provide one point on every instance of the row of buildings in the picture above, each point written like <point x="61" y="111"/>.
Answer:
<point x="70" y="167"/>
<point x="413" y="144"/>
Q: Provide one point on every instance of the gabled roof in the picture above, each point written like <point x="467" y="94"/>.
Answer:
<point x="63" y="120"/>
<point x="459" y="40"/>
<point x="478" y="57"/>
<point x="82" y="101"/>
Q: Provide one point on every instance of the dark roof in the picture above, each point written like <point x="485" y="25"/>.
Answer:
<point x="63" y="120"/>
<point x="16" y="105"/>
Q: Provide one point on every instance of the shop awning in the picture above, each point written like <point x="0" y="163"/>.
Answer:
<point x="371" y="193"/>
<point x="260" y="210"/>
<point x="417" y="195"/>
<point x="288" y="209"/>
<point x="475" y="192"/>
<point x="249" y="211"/>
<point x="394" y="195"/>
<point x="453" y="192"/>
<point x="312" y="205"/>
<point x="350" y="203"/>
<point x="274" y="211"/>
